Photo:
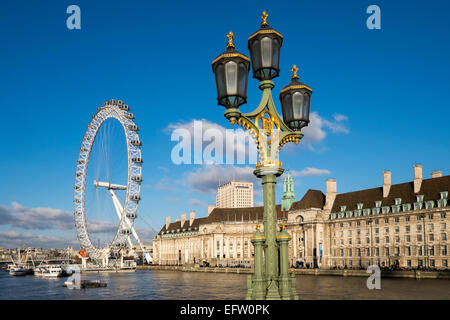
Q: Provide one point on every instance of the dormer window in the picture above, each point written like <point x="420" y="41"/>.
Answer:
<point x="444" y="194"/>
<point x="429" y="204"/>
<point x="420" y="198"/>
<point x="377" y="204"/>
<point x="359" y="206"/>
<point x="343" y="208"/>
<point x="386" y="209"/>
<point x="398" y="201"/>
<point x="366" y="212"/>
<point x="406" y="207"/>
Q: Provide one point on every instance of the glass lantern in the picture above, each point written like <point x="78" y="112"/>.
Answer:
<point x="264" y="46"/>
<point x="295" y="102"/>
<point x="231" y="71"/>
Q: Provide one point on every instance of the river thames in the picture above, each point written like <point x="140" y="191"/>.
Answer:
<point x="155" y="285"/>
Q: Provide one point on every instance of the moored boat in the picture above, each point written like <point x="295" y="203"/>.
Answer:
<point x="17" y="271"/>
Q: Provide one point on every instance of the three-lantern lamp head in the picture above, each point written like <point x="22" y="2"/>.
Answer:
<point x="231" y="70"/>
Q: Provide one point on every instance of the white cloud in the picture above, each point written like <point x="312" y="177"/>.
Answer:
<point x="39" y="218"/>
<point x="237" y="145"/>
<point x="207" y="178"/>
<point x="315" y="132"/>
<point x="196" y="202"/>
<point x="14" y="239"/>
<point x="308" y="171"/>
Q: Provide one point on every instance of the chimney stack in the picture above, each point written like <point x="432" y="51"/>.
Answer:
<point x="177" y="219"/>
<point x="331" y="194"/>
<point x="417" y="177"/>
<point x="436" y="174"/>
<point x="183" y="219"/>
<point x="191" y="217"/>
<point x="167" y="222"/>
<point x="386" y="183"/>
<point x="210" y="208"/>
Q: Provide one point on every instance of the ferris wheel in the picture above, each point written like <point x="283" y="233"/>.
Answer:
<point x="126" y="210"/>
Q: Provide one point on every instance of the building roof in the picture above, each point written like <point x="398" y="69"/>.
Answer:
<point x="311" y="199"/>
<point x="430" y="189"/>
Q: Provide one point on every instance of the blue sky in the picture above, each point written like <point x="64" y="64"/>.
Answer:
<point x="381" y="97"/>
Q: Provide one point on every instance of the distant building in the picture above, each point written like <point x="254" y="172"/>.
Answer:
<point x="404" y="225"/>
<point x="288" y="193"/>
<point x="235" y="194"/>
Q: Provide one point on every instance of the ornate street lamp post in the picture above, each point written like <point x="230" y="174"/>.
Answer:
<point x="271" y="279"/>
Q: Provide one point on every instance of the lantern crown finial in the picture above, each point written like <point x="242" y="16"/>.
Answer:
<point x="230" y="37"/>
<point x="264" y="17"/>
<point x="294" y="72"/>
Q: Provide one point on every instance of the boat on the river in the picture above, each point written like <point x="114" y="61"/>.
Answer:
<point x="49" y="271"/>
<point x="17" y="271"/>
<point x="84" y="284"/>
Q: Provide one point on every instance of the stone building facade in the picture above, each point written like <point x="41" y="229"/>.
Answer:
<point x="235" y="194"/>
<point x="403" y="225"/>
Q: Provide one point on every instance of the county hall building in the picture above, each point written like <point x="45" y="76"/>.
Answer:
<point x="404" y="225"/>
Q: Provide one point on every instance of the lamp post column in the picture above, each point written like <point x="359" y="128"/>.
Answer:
<point x="256" y="284"/>
<point x="269" y="176"/>
<point x="283" y="238"/>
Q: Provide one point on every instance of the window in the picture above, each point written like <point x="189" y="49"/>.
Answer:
<point x="407" y="228"/>
<point x="420" y="250"/>
<point x="386" y="239"/>
<point x="442" y="215"/>
<point x="386" y="250"/>
<point x="341" y="225"/>
<point x="377" y="252"/>
<point x="377" y="230"/>
<point x="349" y="240"/>
<point x="367" y="251"/>
<point x="430" y="227"/>
<point x="407" y="219"/>
<point x="377" y="240"/>
<point x="432" y="262"/>
<point x="397" y="219"/>
<point x="408" y="251"/>
<point x="386" y="220"/>
<point x="349" y="252"/>
<point x="419" y="218"/>
<point x="386" y="230"/>
<point x="419" y="227"/>
<point x="377" y="221"/>
<point x="359" y="252"/>
<point x="397" y="239"/>
<point x="358" y="232"/>
<point x="443" y="226"/>
<point x="444" y="250"/>
<point x="430" y="216"/>
<point x="358" y="223"/>
<point x="342" y="252"/>
<point x="431" y="251"/>
<point x="419" y="237"/>
<point x="444" y="263"/>
<point x="358" y="240"/>
<point x="408" y="263"/>
<point x="431" y="237"/>
<point x="349" y="224"/>
<point x="408" y="238"/>
<point x="367" y="240"/>
<point x="443" y="236"/>
<point x="397" y="229"/>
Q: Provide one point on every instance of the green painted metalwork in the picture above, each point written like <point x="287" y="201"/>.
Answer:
<point x="268" y="282"/>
